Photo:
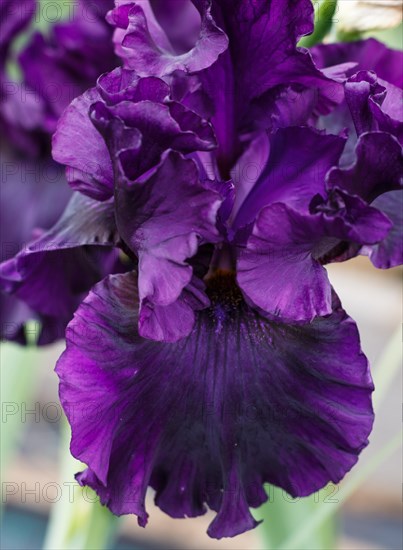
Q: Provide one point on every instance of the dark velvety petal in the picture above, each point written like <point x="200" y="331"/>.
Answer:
<point x="279" y="268"/>
<point x="378" y="167"/>
<point x="84" y="222"/>
<point x="165" y="228"/>
<point x="389" y="252"/>
<point x="78" y="145"/>
<point x="155" y="321"/>
<point x="370" y="55"/>
<point x="146" y="48"/>
<point x="33" y="195"/>
<point x="54" y="282"/>
<point x="240" y="402"/>
<point x="53" y="273"/>
<point x="295" y="171"/>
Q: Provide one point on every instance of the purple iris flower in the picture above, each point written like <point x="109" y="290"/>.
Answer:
<point x="33" y="189"/>
<point x="373" y="114"/>
<point x="223" y="359"/>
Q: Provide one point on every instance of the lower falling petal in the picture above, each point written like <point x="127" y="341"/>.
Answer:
<point x="209" y="419"/>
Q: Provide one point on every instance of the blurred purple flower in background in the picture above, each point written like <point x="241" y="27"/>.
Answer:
<point x="54" y="69"/>
<point x="229" y="166"/>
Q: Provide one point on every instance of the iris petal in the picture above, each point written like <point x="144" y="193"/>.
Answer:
<point x="279" y="267"/>
<point x="389" y="252"/>
<point x="144" y="46"/>
<point x="206" y="421"/>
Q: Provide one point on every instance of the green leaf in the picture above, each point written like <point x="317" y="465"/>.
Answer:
<point x="284" y="515"/>
<point x="18" y="375"/>
<point x="324" y="13"/>
<point x="78" y="521"/>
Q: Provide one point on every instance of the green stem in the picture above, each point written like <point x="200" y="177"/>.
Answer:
<point x="351" y="36"/>
<point x="78" y="521"/>
<point x="324" y="13"/>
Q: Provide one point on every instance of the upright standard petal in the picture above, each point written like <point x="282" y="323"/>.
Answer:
<point x="373" y="93"/>
<point x="120" y="129"/>
<point x="378" y="167"/>
<point x="137" y="134"/>
<point x="389" y="252"/>
<point x="375" y="105"/>
<point x="145" y="47"/>
<point x="263" y="35"/>
<point x="370" y="55"/>
<point x="262" y="64"/>
<point x="295" y="171"/>
<point x="241" y="402"/>
<point x="179" y="20"/>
